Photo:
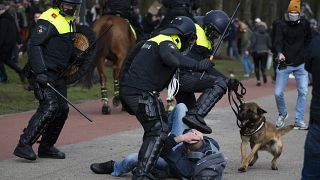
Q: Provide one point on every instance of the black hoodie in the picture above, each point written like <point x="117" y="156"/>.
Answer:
<point x="9" y="34"/>
<point x="292" y="39"/>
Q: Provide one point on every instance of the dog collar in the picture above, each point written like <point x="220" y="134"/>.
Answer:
<point x="245" y="133"/>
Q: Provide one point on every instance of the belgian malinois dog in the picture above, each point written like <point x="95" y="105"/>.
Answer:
<point x="261" y="134"/>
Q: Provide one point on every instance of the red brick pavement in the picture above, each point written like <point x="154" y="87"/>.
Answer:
<point x="78" y="129"/>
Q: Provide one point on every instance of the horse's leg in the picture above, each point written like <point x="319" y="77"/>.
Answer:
<point x="116" y="73"/>
<point x="103" y="81"/>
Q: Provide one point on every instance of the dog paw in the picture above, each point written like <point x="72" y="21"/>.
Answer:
<point x="242" y="169"/>
<point x="274" y="168"/>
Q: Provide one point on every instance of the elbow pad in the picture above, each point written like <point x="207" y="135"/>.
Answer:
<point x="171" y="56"/>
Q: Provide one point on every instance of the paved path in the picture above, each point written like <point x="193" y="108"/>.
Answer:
<point x="114" y="136"/>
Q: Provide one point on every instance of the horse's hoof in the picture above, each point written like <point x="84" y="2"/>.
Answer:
<point x="242" y="169"/>
<point x="116" y="101"/>
<point x="106" y="110"/>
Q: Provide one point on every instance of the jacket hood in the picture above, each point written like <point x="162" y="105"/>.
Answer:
<point x="261" y="29"/>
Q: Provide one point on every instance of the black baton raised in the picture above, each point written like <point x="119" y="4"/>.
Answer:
<point x="69" y="102"/>
<point x="223" y="34"/>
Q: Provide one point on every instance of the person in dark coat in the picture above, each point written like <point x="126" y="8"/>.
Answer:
<point x="260" y="46"/>
<point x="9" y="37"/>
<point x="311" y="163"/>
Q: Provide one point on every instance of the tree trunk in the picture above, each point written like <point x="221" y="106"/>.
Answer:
<point x="246" y="11"/>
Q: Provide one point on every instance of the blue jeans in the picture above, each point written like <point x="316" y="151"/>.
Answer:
<point x="177" y="127"/>
<point x="247" y="65"/>
<point x="311" y="164"/>
<point x="301" y="76"/>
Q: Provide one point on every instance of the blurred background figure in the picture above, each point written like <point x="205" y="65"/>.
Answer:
<point x="232" y="48"/>
<point x="176" y="8"/>
<point x="245" y="36"/>
<point x="259" y="47"/>
<point x="9" y="37"/>
<point x="152" y="19"/>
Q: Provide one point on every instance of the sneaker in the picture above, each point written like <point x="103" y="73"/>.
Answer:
<point x="246" y="75"/>
<point x="291" y="76"/>
<point x="103" y="168"/>
<point x="258" y="83"/>
<point x="265" y="80"/>
<point x="280" y="120"/>
<point x="300" y="126"/>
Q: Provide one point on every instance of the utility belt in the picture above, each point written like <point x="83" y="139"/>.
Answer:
<point x="152" y="105"/>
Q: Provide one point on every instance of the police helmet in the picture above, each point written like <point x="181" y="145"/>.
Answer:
<point x="214" y="23"/>
<point x="184" y="27"/>
<point x="70" y="8"/>
<point x="181" y="25"/>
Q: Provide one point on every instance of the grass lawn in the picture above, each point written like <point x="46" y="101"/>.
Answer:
<point x="14" y="98"/>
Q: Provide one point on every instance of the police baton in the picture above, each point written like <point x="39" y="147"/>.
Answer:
<point x="223" y="34"/>
<point x="69" y="102"/>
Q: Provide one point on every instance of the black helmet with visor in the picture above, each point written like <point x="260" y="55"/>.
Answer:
<point x="70" y="8"/>
<point x="185" y="28"/>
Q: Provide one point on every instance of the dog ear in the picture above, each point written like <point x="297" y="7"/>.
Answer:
<point x="261" y="111"/>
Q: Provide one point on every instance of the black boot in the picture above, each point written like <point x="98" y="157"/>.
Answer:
<point x="25" y="151"/>
<point x="50" y="152"/>
<point x="148" y="155"/>
<point x="195" y="117"/>
<point x="193" y="120"/>
<point x="29" y="137"/>
<point x="50" y="137"/>
<point x="103" y="168"/>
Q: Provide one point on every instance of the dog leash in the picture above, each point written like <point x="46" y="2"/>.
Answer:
<point x="239" y="97"/>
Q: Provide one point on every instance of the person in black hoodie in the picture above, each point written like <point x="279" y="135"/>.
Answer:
<point x="260" y="45"/>
<point x="9" y="36"/>
<point x="292" y="38"/>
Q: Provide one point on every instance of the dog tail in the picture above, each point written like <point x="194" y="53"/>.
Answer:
<point x="285" y="129"/>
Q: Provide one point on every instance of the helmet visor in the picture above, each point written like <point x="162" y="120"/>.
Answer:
<point x="69" y="9"/>
<point x="211" y="33"/>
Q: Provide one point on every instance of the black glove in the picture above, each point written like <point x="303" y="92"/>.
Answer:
<point x="42" y="79"/>
<point x="204" y="65"/>
<point x="233" y="84"/>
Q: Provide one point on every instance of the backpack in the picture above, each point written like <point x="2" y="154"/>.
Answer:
<point x="211" y="163"/>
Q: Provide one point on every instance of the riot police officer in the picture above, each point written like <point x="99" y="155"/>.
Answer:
<point x="212" y="84"/>
<point x="149" y="73"/>
<point x="176" y="8"/>
<point x="50" y="49"/>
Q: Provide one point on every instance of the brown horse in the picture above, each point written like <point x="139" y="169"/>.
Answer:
<point x="116" y="40"/>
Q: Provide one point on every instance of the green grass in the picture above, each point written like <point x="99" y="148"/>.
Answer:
<point x="14" y="98"/>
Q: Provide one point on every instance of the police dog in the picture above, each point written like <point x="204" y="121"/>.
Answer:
<point x="261" y="134"/>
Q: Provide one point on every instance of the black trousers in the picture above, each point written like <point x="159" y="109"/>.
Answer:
<point x="5" y="59"/>
<point x="151" y="114"/>
<point x="260" y="64"/>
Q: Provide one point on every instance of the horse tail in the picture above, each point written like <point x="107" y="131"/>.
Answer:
<point x="98" y="27"/>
